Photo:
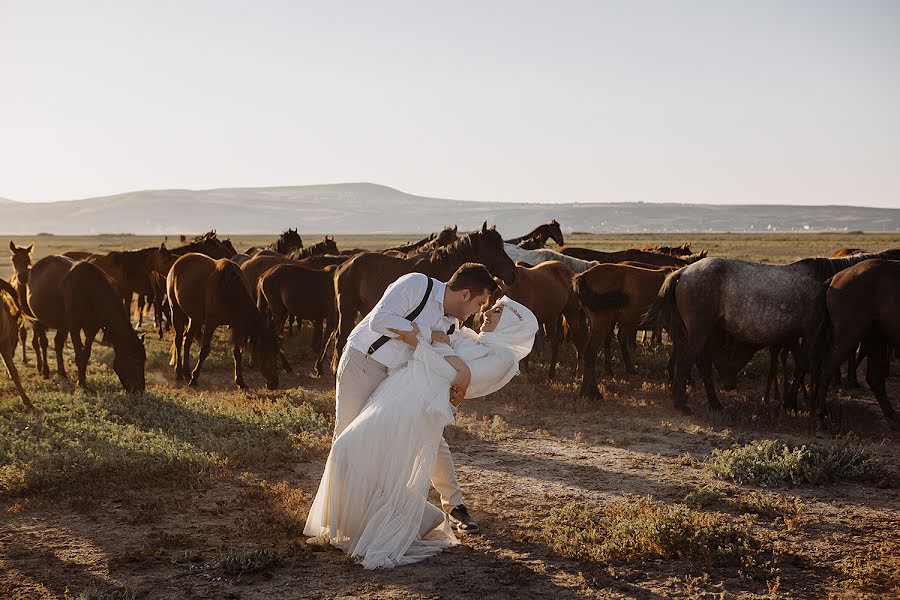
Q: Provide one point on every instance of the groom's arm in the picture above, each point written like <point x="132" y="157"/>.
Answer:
<point x="398" y="301"/>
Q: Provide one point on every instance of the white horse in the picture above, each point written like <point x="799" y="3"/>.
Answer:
<point x="535" y="257"/>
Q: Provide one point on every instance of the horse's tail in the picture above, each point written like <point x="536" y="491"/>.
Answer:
<point x="13" y="294"/>
<point x="820" y="336"/>
<point x="664" y="310"/>
<point x="592" y="300"/>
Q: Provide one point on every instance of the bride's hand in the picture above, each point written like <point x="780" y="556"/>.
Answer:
<point x="407" y="337"/>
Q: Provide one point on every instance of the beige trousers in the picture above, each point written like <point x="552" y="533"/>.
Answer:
<point x="358" y="375"/>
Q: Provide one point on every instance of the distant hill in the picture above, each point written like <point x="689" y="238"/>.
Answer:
<point x="370" y="208"/>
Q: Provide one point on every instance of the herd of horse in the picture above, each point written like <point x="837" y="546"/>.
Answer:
<point x="717" y="312"/>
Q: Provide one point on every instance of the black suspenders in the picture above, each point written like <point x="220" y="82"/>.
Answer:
<point x="410" y="317"/>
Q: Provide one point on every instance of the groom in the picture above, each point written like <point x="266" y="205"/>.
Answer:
<point x="375" y="346"/>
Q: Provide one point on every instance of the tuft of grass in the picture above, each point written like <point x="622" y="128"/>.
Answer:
<point x="769" y="462"/>
<point x="248" y="561"/>
<point x="640" y="528"/>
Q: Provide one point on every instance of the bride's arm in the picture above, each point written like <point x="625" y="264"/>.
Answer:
<point x="461" y="382"/>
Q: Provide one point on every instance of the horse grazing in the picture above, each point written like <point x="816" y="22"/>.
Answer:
<point x="10" y="323"/>
<point x="862" y="306"/>
<point x="537" y="237"/>
<point x="758" y="304"/>
<point x="614" y="294"/>
<point x="546" y="289"/>
<point x="289" y="289"/>
<point x="360" y="282"/>
<point x="326" y="246"/>
<point x="72" y="297"/>
<point x="205" y="293"/>
<point x="21" y="261"/>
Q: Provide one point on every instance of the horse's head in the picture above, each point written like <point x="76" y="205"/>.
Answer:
<point x="489" y="246"/>
<point x="445" y="237"/>
<point x="330" y="245"/>
<point x="21" y="258"/>
<point x="129" y="364"/>
<point x="229" y="247"/>
<point x="162" y="260"/>
<point x="555" y="233"/>
<point x="264" y="350"/>
<point x="289" y="240"/>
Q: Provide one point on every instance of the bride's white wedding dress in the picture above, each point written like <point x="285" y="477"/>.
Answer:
<point x="372" y="498"/>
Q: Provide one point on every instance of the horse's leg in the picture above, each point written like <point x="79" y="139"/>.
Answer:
<point x="554" y="332"/>
<point x="329" y="334"/>
<point x="80" y="363"/>
<point x="772" y="376"/>
<point x="205" y="344"/>
<point x="193" y="328"/>
<point x="141" y="301"/>
<point x="686" y="356"/>
<point x="39" y="344"/>
<point x="876" y="373"/>
<point x="318" y="326"/>
<point x="278" y="325"/>
<point x="607" y="346"/>
<point x="626" y="339"/>
<point x="704" y="366"/>
<point x="8" y="353"/>
<point x="23" y="337"/>
<point x="852" y="381"/>
<point x="597" y="327"/>
<point x="237" y="344"/>
<point x="59" y="345"/>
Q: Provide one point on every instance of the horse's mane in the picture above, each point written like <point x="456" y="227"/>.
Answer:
<point x="465" y="248"/>
<point x="824" y="268"/>
<point x="519" y="254"/>
<point x="534" y="232"/>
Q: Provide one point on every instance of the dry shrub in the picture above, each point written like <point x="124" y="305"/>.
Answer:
<point x="640" y="528"/>
<point x="769" y="462"/>
<point x="247" y="561"/>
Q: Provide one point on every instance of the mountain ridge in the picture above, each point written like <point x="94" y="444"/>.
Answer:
<point x="363" y="207"/>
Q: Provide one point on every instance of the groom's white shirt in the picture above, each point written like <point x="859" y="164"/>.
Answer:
<point x="400" y="299"/>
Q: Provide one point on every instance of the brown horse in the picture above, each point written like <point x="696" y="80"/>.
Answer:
<point x="652" y="258"/>
<point x="10" y="323"/>
<point x="287" y="242"/>
<point x="205" y="293"/>
<point x="614" y="294"/>
<point x="861" y="304"/>
<point x="361" y="281"/>
<point x="321" y="261"/>
<point x="21" y="261"/>
<point x="682" y="250"/>
<point x="546" y="289"/>
<point x="71" y="297"/>
<point x="537" y="237"/>
<point x="289" y="289"/>
<point x="208" y="244"/>
<point x="446" y="237"/>
<point x="326" y="246"/>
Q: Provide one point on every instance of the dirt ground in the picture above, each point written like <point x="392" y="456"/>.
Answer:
<point x="520" y="454"/>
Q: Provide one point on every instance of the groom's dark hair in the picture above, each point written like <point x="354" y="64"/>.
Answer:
<point x="473" y="277"/>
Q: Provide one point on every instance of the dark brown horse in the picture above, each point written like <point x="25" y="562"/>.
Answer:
<point x="546" y="289"/>
<point x="21" y="261"/>
<point x="323" y="260"/>
<point x="206" y="293"/>
<point x="307" y="294"/>
<point x="682" y="250"/>
<point x="361" y="281"/>
<point x="72" y="297"/>
<point x="10" y="322"/>
<point x="537" y="237"/>
<point x="326" y="246"/>
<point x="287" y="242"/>
<point x="862" y="304"/>
<point x="208" y="244"/>
<point x="446" y="237"/>
<point x="652" y="258"/>
<point x="614" y="294"/>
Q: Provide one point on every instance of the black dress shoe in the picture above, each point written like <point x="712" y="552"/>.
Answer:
<point x="462" y="520"/>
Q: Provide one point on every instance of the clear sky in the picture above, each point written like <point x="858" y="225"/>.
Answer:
<point x="784" y="101"/>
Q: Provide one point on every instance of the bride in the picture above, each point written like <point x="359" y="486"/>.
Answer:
<point x="372" y="501"/>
